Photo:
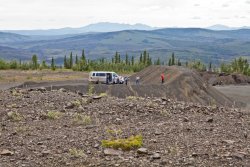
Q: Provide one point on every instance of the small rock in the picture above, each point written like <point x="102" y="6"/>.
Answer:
<point x="40" y="143"/>
<point x="97" y="97"/>
<point x="80" y="108"/>
<point x="96" y="145"/>
<point x="156" y="156"/>
<point x="245" y="134"/>
<point x="142" y="151"/>
<point x="62" y="90"/>
<point x="45" y="152"/>
<point x="185" y="119"/>
<point x="69" y="106"/>
<point x="6" y="152"/>
<point x="42" y="89"/>
<point x="158" y="133"/>
<point x="210" y="120"/>
<point x="110" y="151"/>
<point x="228" y="141"/>
<point x="239" y="155"/>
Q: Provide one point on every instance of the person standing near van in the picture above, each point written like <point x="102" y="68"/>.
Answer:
<point x="137" y="80"/>
<point x="126" y="80"/>
<point x="107" y="79"/>
<point x="162" y="77"/>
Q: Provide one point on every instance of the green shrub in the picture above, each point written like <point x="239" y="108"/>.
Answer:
<point x="14" y="116"/>
<point x="76" y="153"/>
<point x="76" y="103"/>
<point x="82" y="119"/>
<point x="103" y="94"/>
<point x="54" y="115"/>
<point x="124" y="144"/>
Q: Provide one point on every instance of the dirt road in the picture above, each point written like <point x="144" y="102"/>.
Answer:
<point x="237" y="93"/>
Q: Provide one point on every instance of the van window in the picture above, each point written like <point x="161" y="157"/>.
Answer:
<point x="93" y="74"/>
<point x="100" y="74"/>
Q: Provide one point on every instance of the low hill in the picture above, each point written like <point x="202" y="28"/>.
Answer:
<point x="12" y="38"/>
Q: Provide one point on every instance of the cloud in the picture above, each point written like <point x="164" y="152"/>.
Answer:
<point x="196" y="18"/>
<point x="196" y="5"/>
<point x="248" y="2"/>
<point x="225" y="5"/>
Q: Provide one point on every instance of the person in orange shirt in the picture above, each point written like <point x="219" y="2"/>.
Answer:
<point x="162" y="78"/>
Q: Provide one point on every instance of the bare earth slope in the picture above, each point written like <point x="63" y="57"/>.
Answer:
<point x="183" y="84"/>
<point x="174" y="133"/>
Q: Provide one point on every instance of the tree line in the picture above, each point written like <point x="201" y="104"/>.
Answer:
<point x="124" y="64"/>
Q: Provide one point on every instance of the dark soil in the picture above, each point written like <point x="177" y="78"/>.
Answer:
<point x="174" y="133"/>
<point x="225" y="79"/>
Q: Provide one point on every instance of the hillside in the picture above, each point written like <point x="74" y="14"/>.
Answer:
<point x="187" y="43"/>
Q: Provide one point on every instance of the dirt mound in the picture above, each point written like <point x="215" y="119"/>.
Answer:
<point x="180" y="83"/>
<point x="224" y="79"/>
<point x="174" y="133"/>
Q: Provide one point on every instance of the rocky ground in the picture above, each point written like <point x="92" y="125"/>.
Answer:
<point x="60" y="128"/>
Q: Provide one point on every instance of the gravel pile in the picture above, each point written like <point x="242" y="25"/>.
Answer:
<point x="61" y="128"/>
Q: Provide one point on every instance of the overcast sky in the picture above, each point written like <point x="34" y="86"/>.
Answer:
<point x="34" y="14"/>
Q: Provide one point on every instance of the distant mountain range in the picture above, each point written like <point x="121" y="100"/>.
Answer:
<point x="103" y="27"/>
<point x="187" y="43"/>
<point x="219" y="27"/>
<point x="92" y="28"/>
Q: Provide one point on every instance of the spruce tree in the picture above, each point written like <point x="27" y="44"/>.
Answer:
<point x="126" y="61"/>
<point x="170" y="62"/>
<point x="173" y="59"/>
<point x="34" y="62"/>
<point x="132" y="60"/>
<point x="158" y="62"/>
<point x="65" y="63"/>
<point x="71" y="61"/>
<point x="140" y="58"/>
<point x="76" y="60"/>
<point x="144" y="57"/>
<point x="83" y="59"/>
<point x="53" y="67"/>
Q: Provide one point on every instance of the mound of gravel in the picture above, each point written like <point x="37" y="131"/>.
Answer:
<point x="180" y="83"/>
<point x="174" y="133"/>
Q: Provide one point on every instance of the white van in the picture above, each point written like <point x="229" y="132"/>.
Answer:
<point x="103" y="76"/>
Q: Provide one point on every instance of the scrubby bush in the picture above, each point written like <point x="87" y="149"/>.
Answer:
<point x="82" y="119"/>
<point x="54" y="115"/>
<point x="124" y="144"/>
<point x="14" y="116"/>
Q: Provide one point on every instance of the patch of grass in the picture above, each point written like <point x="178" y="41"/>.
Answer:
<point x="103" y="94"/>
<point x="14" y="116"/>
<point x="90" y="90"/>
<point x="11" y="105"/>
<point x="164" y="112"/>
<point x="29" y="77"/>
<point x="76" y="153"/>
<point x="15" y="93"/>
<point x="54" y="115"/>
<point x="82" y="119"/>
<point x="76" y="103"/>
<point x="21" y="129"/>
<point x="124" y="144"/>
<point x="131" y="97"/>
